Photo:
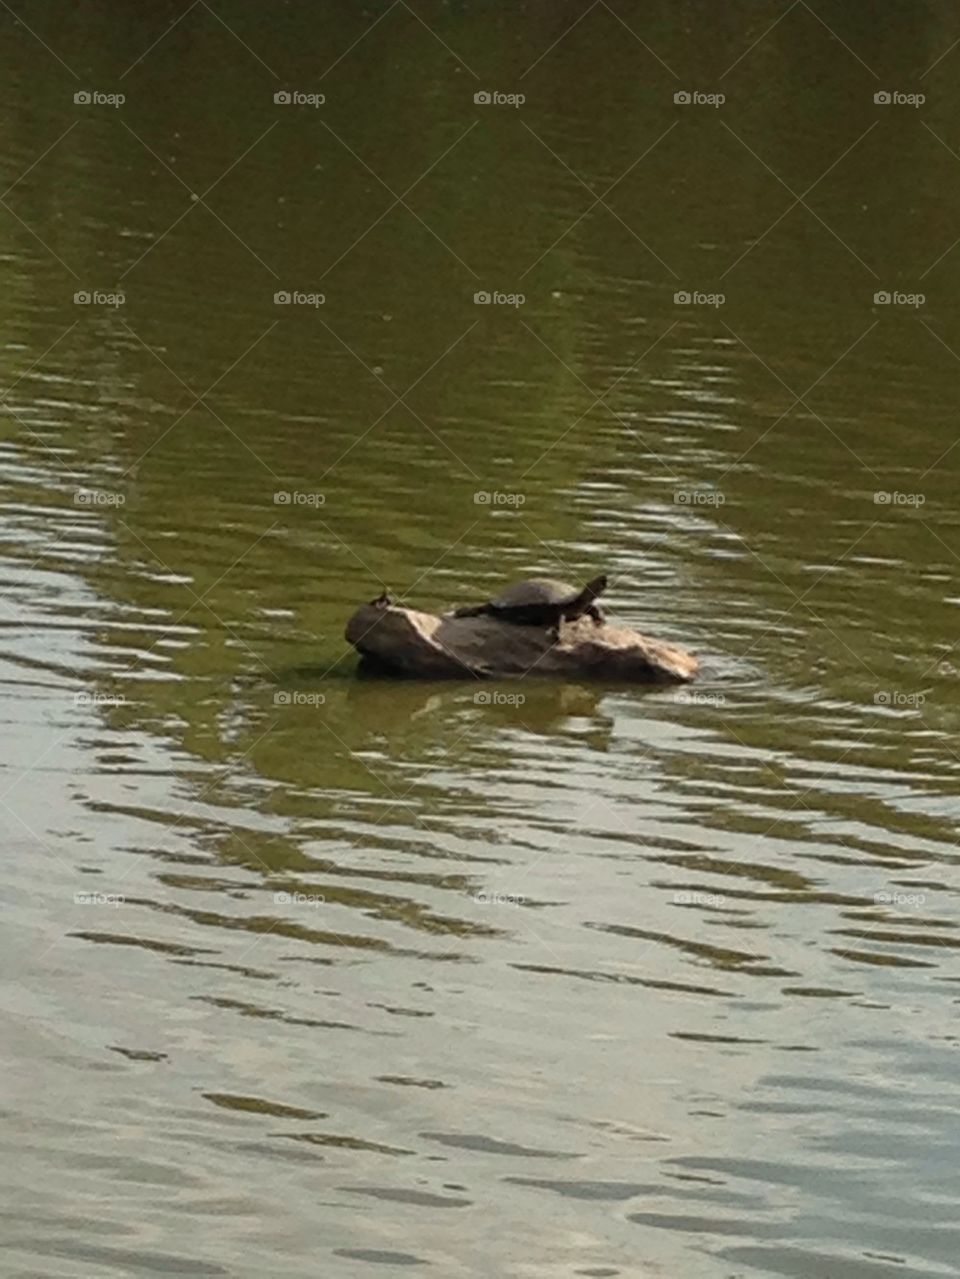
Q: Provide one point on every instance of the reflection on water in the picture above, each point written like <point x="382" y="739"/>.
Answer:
<point x="291" y="946"/>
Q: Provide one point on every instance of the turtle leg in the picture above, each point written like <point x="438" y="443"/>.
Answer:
<point x="597" y="613"/>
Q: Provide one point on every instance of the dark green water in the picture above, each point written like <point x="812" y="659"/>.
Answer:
<point x="307" y="974"/>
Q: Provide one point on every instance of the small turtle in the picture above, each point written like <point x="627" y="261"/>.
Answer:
<point x="541" y="601"/>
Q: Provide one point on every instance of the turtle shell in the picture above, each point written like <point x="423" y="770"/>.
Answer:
<point x="536" y="590"/>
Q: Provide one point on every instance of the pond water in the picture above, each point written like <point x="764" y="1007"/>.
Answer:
<point x="313" y="974"/>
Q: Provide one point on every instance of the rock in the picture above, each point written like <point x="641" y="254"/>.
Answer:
<point x="427" y="646"/>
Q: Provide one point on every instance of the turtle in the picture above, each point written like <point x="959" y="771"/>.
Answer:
<point x="541" y="601"/>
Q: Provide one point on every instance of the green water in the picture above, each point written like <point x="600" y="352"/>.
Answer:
<point x="631" y="982"/>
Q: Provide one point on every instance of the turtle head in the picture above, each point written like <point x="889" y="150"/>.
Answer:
<point x="596" y="586"/>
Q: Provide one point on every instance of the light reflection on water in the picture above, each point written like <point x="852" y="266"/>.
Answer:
<point x="292" y="949"/>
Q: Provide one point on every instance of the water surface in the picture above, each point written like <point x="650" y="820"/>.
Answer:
<point x="315" y="974"/>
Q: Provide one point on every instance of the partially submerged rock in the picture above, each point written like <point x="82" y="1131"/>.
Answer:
<point x="427" y="646"/>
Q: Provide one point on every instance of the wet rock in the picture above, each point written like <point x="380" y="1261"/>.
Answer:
<point x="424" y="645"/>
